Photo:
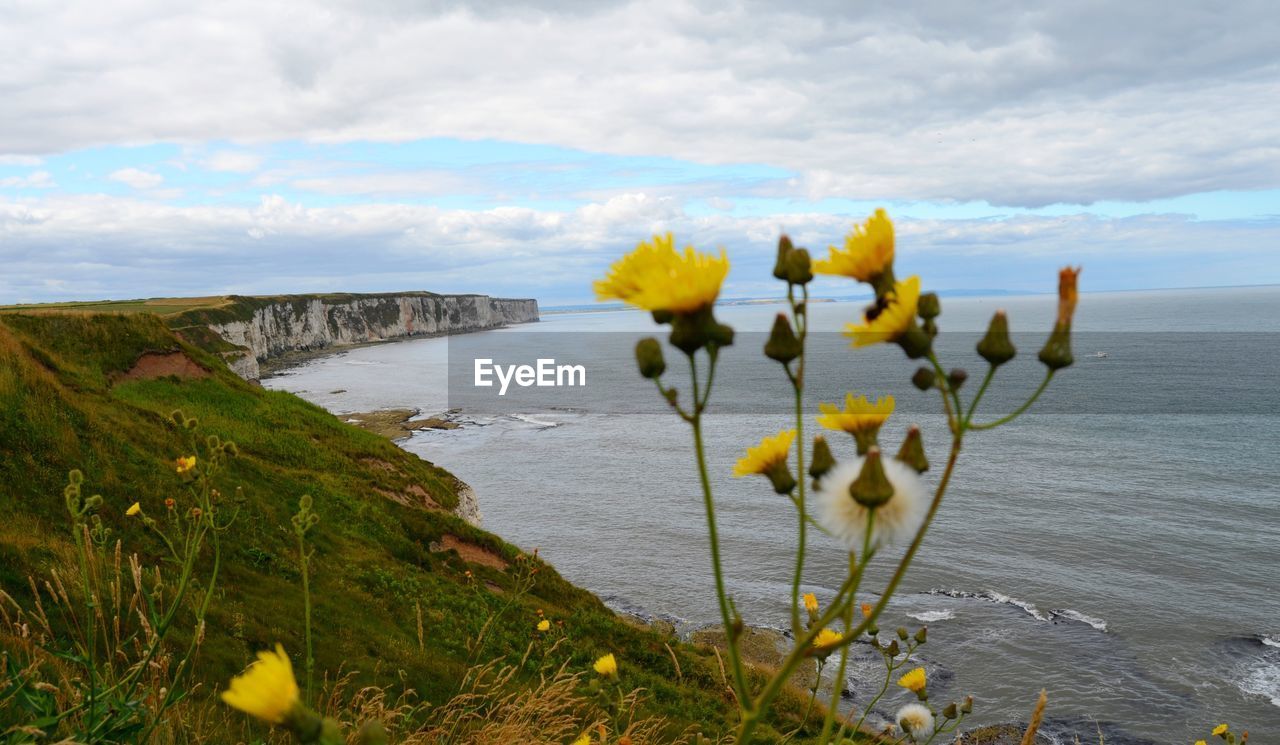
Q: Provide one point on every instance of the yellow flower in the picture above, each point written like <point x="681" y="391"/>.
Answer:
<point x="544" y="625"/>
<point x="266" y="689"/>
<point x="889" y="317"/>
<point x="913" y="681"/>
<point x="868" y="250"/>
<point x="186" y="464"/>
<point x="584" y="740"/>
<point x="1201" y="742"/>
<point x="1220" y="729"/>
<point x="134" y="509"/>
<point x="770" y="452"/>
<point x="811" y="602"/>
<point x="827" y="637"/>
<point x="858" y="415"/>
<point x="606" y="666"/>
<point x="656" y="277"/>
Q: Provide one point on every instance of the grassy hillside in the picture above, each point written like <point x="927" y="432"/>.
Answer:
<point x="68" y="400"/>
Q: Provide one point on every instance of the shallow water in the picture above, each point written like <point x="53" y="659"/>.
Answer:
<point x="1118" y="546"/>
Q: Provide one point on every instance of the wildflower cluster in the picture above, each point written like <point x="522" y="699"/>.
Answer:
<point x="868" y="500"/>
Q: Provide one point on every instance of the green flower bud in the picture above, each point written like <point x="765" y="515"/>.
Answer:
<point x="721" y="335"/>
<point x="783" y="345"/>
<point x="903" y="634"/>
<point x="688" y="334"/>
<point x="956" y="378"/>
<point x="912" y="450"/>
<point x="914" y="342"/>
<point x="822" y="458"/>
<point x="781" y="478"/>
<point x="230" y="449"/>
<point x="213" y="442"/>
<point x="950" y="711"/>
<point x="922" y="635"/>
<point x="784" y="249"/>
<point x="967" y="706"/>
<point x="177" y="417"/>
<point x="996" y="347"/>
<point x="893" y="650"/>
<point x="662" y="317"/>
<point x="924" y="378"/>
<point x="799" y="271"/>
<point x="872" y="488"/>
<point x="1057" y="350"/>
<point x="93" y="502"/>
<point x="928" y="306"/>
<point x="649" y="358"/>
<point x="75" y="476"/>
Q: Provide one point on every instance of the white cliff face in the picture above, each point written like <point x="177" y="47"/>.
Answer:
<point x="311" y="323"/>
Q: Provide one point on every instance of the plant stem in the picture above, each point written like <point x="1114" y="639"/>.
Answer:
<point x="306" y="610"/>
<point x="797" y="382"/>
<point x="973" y="405"/>
<point x="1018" y="411"/>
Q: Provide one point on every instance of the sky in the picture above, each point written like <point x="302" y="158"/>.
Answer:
<point x="518" y="148"/>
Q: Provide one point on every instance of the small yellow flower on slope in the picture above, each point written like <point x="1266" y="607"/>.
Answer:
<point x="867" y="253"/>
<point x="889" y="317"/>
<point x="266" y="689"/>
<point x="1201" y="742"/>
<point x="544" y="625"/>
<point x="186" y="463"/>
<point x="584" y="740"/>
<point x="1220" y="730"/>
<point x="913" y="681"/>
<point x="606" y="666"/>
<point x="811" y="602"/>
<point x="655" y="277"/>
<point x="827" y="637"/>
<point x="134" y="509"/>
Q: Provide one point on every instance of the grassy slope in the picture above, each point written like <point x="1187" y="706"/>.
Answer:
<point x="62" y="406"/>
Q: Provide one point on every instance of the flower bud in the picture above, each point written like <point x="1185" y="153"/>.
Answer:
<point x="923" y="379"/>
<point x="822" y="458"/>
<point x="956" y="378"/>
<point x="1056" y="353"/>
<point x="784" y="249"/>
<point x="75" y="476"/>
<point x="783" y="345"/>
<point x="649" y="358"/>
<point x="721" y="335"/>
<point x="967" y="706"/>
<point x="780" y="476"/>
<point x="893" y="650"/>
<point x="662" y="317"/>
<point x="912" y="450"/>
<point x="872" y="488"/>
<point x="996" y="347"/>
<point x="903" y="634"/>
<point x="950" y="711"/>
<point x="928" y="307"/>
<point x="922" y="635"/>
<point x="914" y="342"/>
<point x="799" y="271"/>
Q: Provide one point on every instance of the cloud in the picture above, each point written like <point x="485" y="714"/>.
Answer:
<point x="101" y="246"/>
<point x="20" y="160"/>
<point x="1015" y="105"/>
<point x="33" y="180"/>
<point x="232" y="161"/>
<point x="136" y="178"/>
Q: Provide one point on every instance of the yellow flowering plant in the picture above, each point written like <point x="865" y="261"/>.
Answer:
<point x="868" y="500"/>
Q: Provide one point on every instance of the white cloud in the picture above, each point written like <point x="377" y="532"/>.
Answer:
<point x="122" y="247"/>
<point x="915" y="100"/>
<point x="20" y="160"/>
<point x="136" y="178"/>
<point x="33" y="180"/>
<point x="232" y="161"/>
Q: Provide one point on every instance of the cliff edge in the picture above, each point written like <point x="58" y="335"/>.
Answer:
<point x="253" y="330"/>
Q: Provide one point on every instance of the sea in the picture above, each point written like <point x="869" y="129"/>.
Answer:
<point x="1118" y="545"/>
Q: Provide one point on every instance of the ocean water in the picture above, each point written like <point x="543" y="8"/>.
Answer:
<point x="1118" y="545"/>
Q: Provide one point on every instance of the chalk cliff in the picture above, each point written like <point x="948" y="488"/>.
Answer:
<point x="257" y="329"/>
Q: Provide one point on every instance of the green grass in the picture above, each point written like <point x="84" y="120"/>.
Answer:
<point x="64" y="405"/>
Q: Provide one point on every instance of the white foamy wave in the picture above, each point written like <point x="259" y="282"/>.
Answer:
<point x="1262" y="679"/>
<point x="1076" y="615"/>
<point x="361" y="363"/>
<point x="929" y="616"/>
<point x="1269" y="641"/>
<point x="991" y="596"/>
<point x="540" y="423"/>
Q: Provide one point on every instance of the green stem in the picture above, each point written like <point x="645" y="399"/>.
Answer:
<point x="797" y="382"/>
<point x="735" y="662"/>
<point x="91" y="628"/>
<point x="973" y="405"/>
<point x="1018" y="411"/>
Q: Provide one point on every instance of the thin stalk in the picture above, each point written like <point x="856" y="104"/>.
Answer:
<point x="797" y="382"/>
<point x="306" y="611"/>
<point x="1018" y="411"/>
<point x="973" y="405"/>
<point x="91" y="628"/>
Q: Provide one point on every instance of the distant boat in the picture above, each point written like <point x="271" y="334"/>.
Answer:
<point x="1100" y="355"/>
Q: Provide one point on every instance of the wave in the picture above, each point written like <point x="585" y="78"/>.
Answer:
<point x="540" y="423"/>
<point x="991" y="596"/>
<point x="930" y="616"/>
<point x="1268" y="641"/>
